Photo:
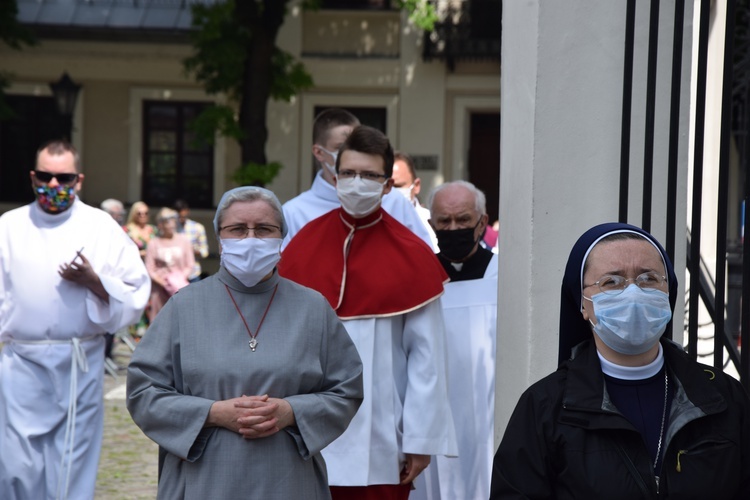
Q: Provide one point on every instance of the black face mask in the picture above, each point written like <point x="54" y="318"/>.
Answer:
<point x="456" y="244"/>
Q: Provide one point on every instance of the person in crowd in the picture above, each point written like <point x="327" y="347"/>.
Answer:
<point x="196" y="233"/>
<point x="138" y="227"/>
<point x="169" y="260"/>
<point x="330" y="130"/>
<point x="470" y="312"/>
<point x="245" y="376"/>
<point x="385" y="284"/>
<point x="406" y="182"/>
<point x="491" y="235"/>
<point x="115" y="209"/>
<point x="69" y="274"/>
<point x="459" y="223"/>
<point x="628" y="414"/>
<point x="141" y="232"/>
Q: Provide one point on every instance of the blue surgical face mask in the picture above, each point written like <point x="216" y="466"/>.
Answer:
<point x="631" y="322"/>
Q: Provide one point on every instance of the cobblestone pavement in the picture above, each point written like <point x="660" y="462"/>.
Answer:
<point x="128" y="464"/>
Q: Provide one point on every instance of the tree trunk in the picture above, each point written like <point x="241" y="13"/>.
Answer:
<point x="262" y="18"/>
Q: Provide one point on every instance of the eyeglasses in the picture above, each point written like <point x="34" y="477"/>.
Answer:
<point x="370" y="176"/>
<point x="612" y="284"/>
<point x="240" y="231"/>
<point x="47" y="177"/>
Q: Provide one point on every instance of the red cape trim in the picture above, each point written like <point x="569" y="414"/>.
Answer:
<point x="370" y="267"/>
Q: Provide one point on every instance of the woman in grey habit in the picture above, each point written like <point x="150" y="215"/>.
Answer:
<point x="245" y="376"/>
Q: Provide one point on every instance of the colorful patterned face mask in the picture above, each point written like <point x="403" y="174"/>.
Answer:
<point x="55" y="200"/>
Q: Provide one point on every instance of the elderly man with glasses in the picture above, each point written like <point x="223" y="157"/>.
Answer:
<point x="68" y="275"/>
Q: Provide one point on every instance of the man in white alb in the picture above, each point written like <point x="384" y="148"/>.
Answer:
<point x="68" y="274"/>
<point x="406" y="182"/>
<point x="459" y="216"/>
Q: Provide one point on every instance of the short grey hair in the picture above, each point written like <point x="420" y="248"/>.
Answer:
<point x="111" y="205"/>
<point x="166" y="214"/>
<point x="480" y="200"/>
<point x="249" y="193"/>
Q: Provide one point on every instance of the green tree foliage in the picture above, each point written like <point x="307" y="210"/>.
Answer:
<point x="235" y="55"/>
<point x="14" y="36"/>
<point x="421" y="12"/>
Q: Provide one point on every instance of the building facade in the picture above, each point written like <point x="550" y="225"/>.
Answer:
<point x="436" y="97"/>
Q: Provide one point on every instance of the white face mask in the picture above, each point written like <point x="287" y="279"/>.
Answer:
<point x="250" y="259"/>
<point x="405" y="191"/>
<point x="358" y="196"/>
<point x="330" y="167"/>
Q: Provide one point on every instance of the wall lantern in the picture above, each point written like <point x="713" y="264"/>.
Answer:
<point x="65" y="92"/>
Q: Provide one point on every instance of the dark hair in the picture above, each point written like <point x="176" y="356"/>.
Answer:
<point x="371" y="141"/>
<point x="401" y="156"/>
<point x="180" y="205"/>
<point x="328" y="119"/>
<point x="59" y="147"/>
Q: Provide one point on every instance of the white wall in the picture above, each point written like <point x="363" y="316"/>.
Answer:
<point x="561" y="86"/>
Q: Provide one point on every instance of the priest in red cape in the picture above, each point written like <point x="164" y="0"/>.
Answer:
<point x="385" y="284"/>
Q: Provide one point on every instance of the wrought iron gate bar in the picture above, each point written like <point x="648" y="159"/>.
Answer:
<point x="627" y="110"/>
<point x="721" y="217"/>
<point x="700" y="124"/>
<point x="648" y="150"/>
<point x="706" y="291"/>
<point x="745" y="117"/>
<point x="674" y="126"/>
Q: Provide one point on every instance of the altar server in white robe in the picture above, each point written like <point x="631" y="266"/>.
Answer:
<point x="459" y="216"/>
<point x="408" y="185"/>
<point x="245" y="376"/>
<point x="330" y="130"/>
<point x="385" y="284"/>
<point x="68" y="275"/>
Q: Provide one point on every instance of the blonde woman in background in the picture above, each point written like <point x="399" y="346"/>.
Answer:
<point x="138" y="228"/>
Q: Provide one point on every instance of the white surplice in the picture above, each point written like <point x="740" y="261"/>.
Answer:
<point x="424" y="216"/>
<point x="52" y="330"/>
<point x="470" y="311"/>
<point x="405" y="409"/>
<point x="321" y="198"/>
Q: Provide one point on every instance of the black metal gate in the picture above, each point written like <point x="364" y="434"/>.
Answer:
<point x="725" y="290"/>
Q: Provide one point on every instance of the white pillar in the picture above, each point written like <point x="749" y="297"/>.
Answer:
<point x="562" y="88"/>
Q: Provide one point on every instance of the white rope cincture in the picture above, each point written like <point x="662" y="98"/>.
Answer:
<point x="78" y="361"/>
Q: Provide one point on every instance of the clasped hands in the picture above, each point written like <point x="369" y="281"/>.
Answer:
<point x="251" y="416"/>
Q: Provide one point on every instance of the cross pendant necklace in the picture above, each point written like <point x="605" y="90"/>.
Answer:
<point x="253" y="342"/>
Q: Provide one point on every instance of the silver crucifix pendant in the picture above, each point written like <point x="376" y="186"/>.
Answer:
<point x="253" y="344"/>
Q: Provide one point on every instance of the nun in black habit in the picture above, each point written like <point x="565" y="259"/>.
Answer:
<point x="627" y="414"/>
